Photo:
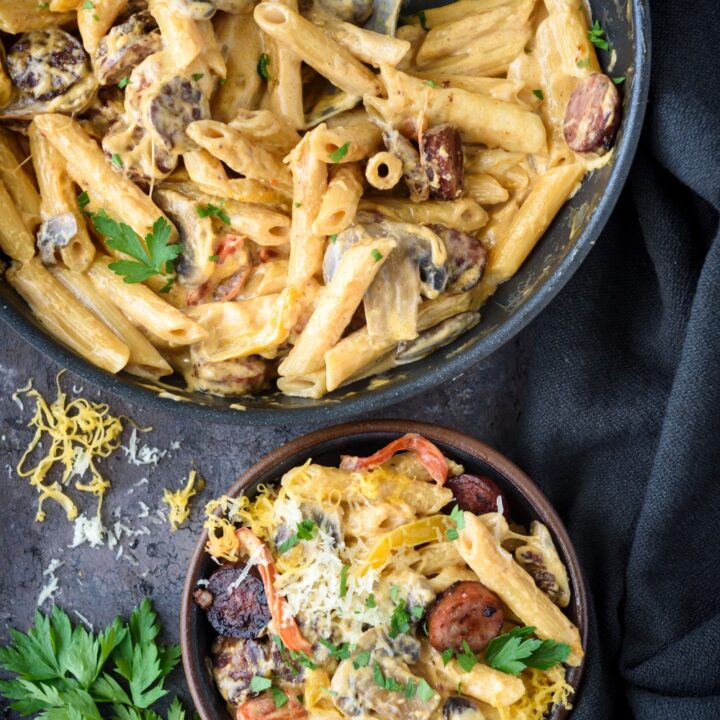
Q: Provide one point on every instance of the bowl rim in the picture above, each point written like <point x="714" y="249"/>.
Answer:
<point x="453" y="439"/>
<point x="401" y="388"/>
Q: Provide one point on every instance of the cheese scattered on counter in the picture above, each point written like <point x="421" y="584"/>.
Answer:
<point x="142" y="454"/>
<point x="52" y="586"/>
<point x="179" y="500"/>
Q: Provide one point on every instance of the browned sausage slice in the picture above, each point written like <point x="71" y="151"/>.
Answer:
<point x="476" y="493"/>
<point x="442" y="158"/>
<point x="592" y="115"/>
<point x="465" y="611"/>
<point x="236" y="609"/>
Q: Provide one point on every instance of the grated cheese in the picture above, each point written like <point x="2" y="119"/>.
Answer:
<point x="142" y="454"/>
<point x="179" y="500"/>
<point x="88" y="530"/>
<point x="52" y="586"/>
<point x="545" y="689"/>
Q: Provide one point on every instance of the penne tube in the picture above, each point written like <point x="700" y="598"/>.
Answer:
<point x="415" y="35"/>
<point x="243" y="85"/>
<point x="269" y="278"/>
<point x="16" y="241"/>
<point x="384" y="170"/>
<point x="498" y="88"/>
<point x="479" y="118"/>
<point x="240" y="154"/>
<point x="187" y="42"/>
<point x="6" y="86"/>
<point x="59" y="197"/>
<point x="340" y="202"/>
<point x="88" y="167"/>
<point x="335" y="306"/>
<point x="18" y="184"/>
<point x="20" y="16"/>
<point x="485" y="189"/>
<point x="432" y="17"/>
<point x="271" y="131"/>
<point x="312" y="46"/>
<point x="311" y="385"/>
<point x="144" y="308"/>
<point x="208" y="173"/>
<point x="144" y="359"/>
<point x="284" y="90"/>
<point x="367" y="46"/>
<point x="95" y="19"/>
<point x="463" y="214"/>
<point x="260" y="224"/>
<point x="497" y="570"/>
<point x="64" y="5"/>
<point x="493" y="161"/>
<point x="65" y="318"/>
<point x="309" y="186"/>
<point x="360" y="140"/>
<point x="550" y="190"/>
<point x="456" y="36"/>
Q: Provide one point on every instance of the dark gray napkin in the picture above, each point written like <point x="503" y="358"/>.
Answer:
<point x="621" y="423"/>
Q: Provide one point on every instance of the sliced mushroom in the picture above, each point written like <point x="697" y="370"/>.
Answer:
<point x="461" y="708"/>
<point x="50" y="71"/>
<point x="403" y="646"/>
<point x="235" y="661"/>
<point x="352" y="11"/>
<point x="126" y="46"/>
<point x="55" y="233"/>
<point x="442" y="334"/>
<point x="414" y="173"/>
<point x="196" y="9"/>
<point x="197" y="236"/>
<point x="467" y="258"/>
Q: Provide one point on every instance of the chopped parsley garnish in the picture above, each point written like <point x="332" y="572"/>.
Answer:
<point x="410" y="689"/>
<point x="88" y="5"/>
<point x="399" y="620"/>
<point x="595" y="36"/>
<point x="262" y="66"/>
<point x="538" y="94"/>
<point x="258" y="683"/>
<point x="297" y="204"/>
<point x="370" y="601"/>
<point x="210" y="209"/>
<point x="306" y="530"/>
<point x="343" y="580"/>
<point x="376" y="254"/>
<point x="155" y="257"/>
<point x="337" y="155"/>
<point x="467" y="659"/>
<point x="333" y="238"/>
<point x="388" y="683"/>
<point x="618" y="80"/>
<point x="341" y="652"/>
<point x="447" y="655"/>
<point x="423" y="20"/>
<point x="123" y="81"/>
<point x="417" y="611"/>
<point x="583" y="63"/>
<point x="395" y="593"/>
<point x="303" y="659"/>
<point x="431" y="83"/>
<point x="95" y="17"/>
<point x="361" y="660"/>
<point x="458" y="517"/>
<point x="514" y="651"/>
<point x="424" y="691"/>
<point x="197" y="76"/>
<point x="83" y="199"/>
<point x="214" y="258"/>
<point x="279" y="697"/>
<point x="43" y="5"/>
<point x="115" y="159"/>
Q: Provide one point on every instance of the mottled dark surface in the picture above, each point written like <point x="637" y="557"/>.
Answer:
<point x="93" y="581"/>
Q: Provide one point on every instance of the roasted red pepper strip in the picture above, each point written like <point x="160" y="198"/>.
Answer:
<point x="283" y="620"/>
<point x="263" y="708"/>
<point x="428" y="454"/>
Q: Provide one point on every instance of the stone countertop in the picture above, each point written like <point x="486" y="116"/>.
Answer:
<point x="99" y="583"/>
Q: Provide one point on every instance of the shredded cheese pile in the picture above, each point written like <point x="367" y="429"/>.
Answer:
<point x="179" y="500"/>
<point x="79" y="432"/>
<point x="544" y="690"/>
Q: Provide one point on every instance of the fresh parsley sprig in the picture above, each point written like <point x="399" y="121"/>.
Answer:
<point x="514" y="651"/>
<point x="66" y="672"/>
<point x="155" y="257"/>
<point x="596" y="36"/>
<point x="458" y="517"/>
<point x="210" y="209"/>
<point x="306" y="530"/>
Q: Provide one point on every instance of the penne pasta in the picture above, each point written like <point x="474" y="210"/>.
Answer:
<point x="16" y="241"/>
<point x="340" y="202"/>
<point x="95" y="19"/>
<point x="384" y="170"/>
<point x="18" y="184"/>
<point x="464" y="214"/>
<point x="345" y="143"/>
<point x="485" y="189"/>
<point x="267" y="129"/>
<point x="67" y="319"/>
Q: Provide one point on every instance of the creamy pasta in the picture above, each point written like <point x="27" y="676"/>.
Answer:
<point x="256" y="194"/>
<point x="356" y="592"/>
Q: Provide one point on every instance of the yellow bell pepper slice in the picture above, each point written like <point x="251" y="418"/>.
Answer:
<point x="429" y="529"/>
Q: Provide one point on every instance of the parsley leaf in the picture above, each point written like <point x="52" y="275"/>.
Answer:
<point x="341" y="652"/>
<point x="370" y="601"/>
<point x="361" y="660"/>
<point x="197" y="76"/>
<point x="123" y="81"/>
<point x="619" y="80"/>
<point x="431" y="83"/>
<point x="424" y="691"/>
<point x="467" y="659"/>
<point x="155" y="260"/>
<point x="262" y="66"/>
<point x="376" y="255"/>
<point x="410" y="689"/>
<point x="583" y="63"/>
<point x="333" y="238"/>
<point x="343" y="580"/>
<point x="302" y="658"/>
<point x="447" y="655"/>
<point x="458" y="517"/>
<point x="306" y="530"/>
<point x="43" y="5"/>
<point x="595" y="36"/>
<point x="116" y="160"/>
<point x="538" y="94"/>
<point x="259" y="683"/>
<point x="423" y="20"/>
<point x="399" y="620"/>
<point x="337" y="155"/>
<point x="65" y="672"/>
<point x="88" y="5"/>
<point x="514" y="651"/>
<point x="210" y="209"/>
<point x="279" y="697"/>
<point x="83" y="200"/>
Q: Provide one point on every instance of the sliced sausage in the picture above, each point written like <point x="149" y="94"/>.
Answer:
<point x="466" y="257"/>
<point x="126" y="46"/>
<point x="592" y="115"/>
<point x="46" y="63"/>
<point x="465" y="611"/>
<point x="442" y="159"/>
<point x="477" y="494"/>
<point x="237" y="609"/>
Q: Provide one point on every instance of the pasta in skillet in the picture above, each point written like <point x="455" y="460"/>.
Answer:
<point x="349" y="592"/>
<point x="252" y="194"/>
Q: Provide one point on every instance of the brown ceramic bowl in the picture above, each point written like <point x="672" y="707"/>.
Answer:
<point x="325" y="446"/>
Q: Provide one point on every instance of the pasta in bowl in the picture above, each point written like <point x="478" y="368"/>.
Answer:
<point x="371" y="590"/>
<point x="300" y="210"/>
